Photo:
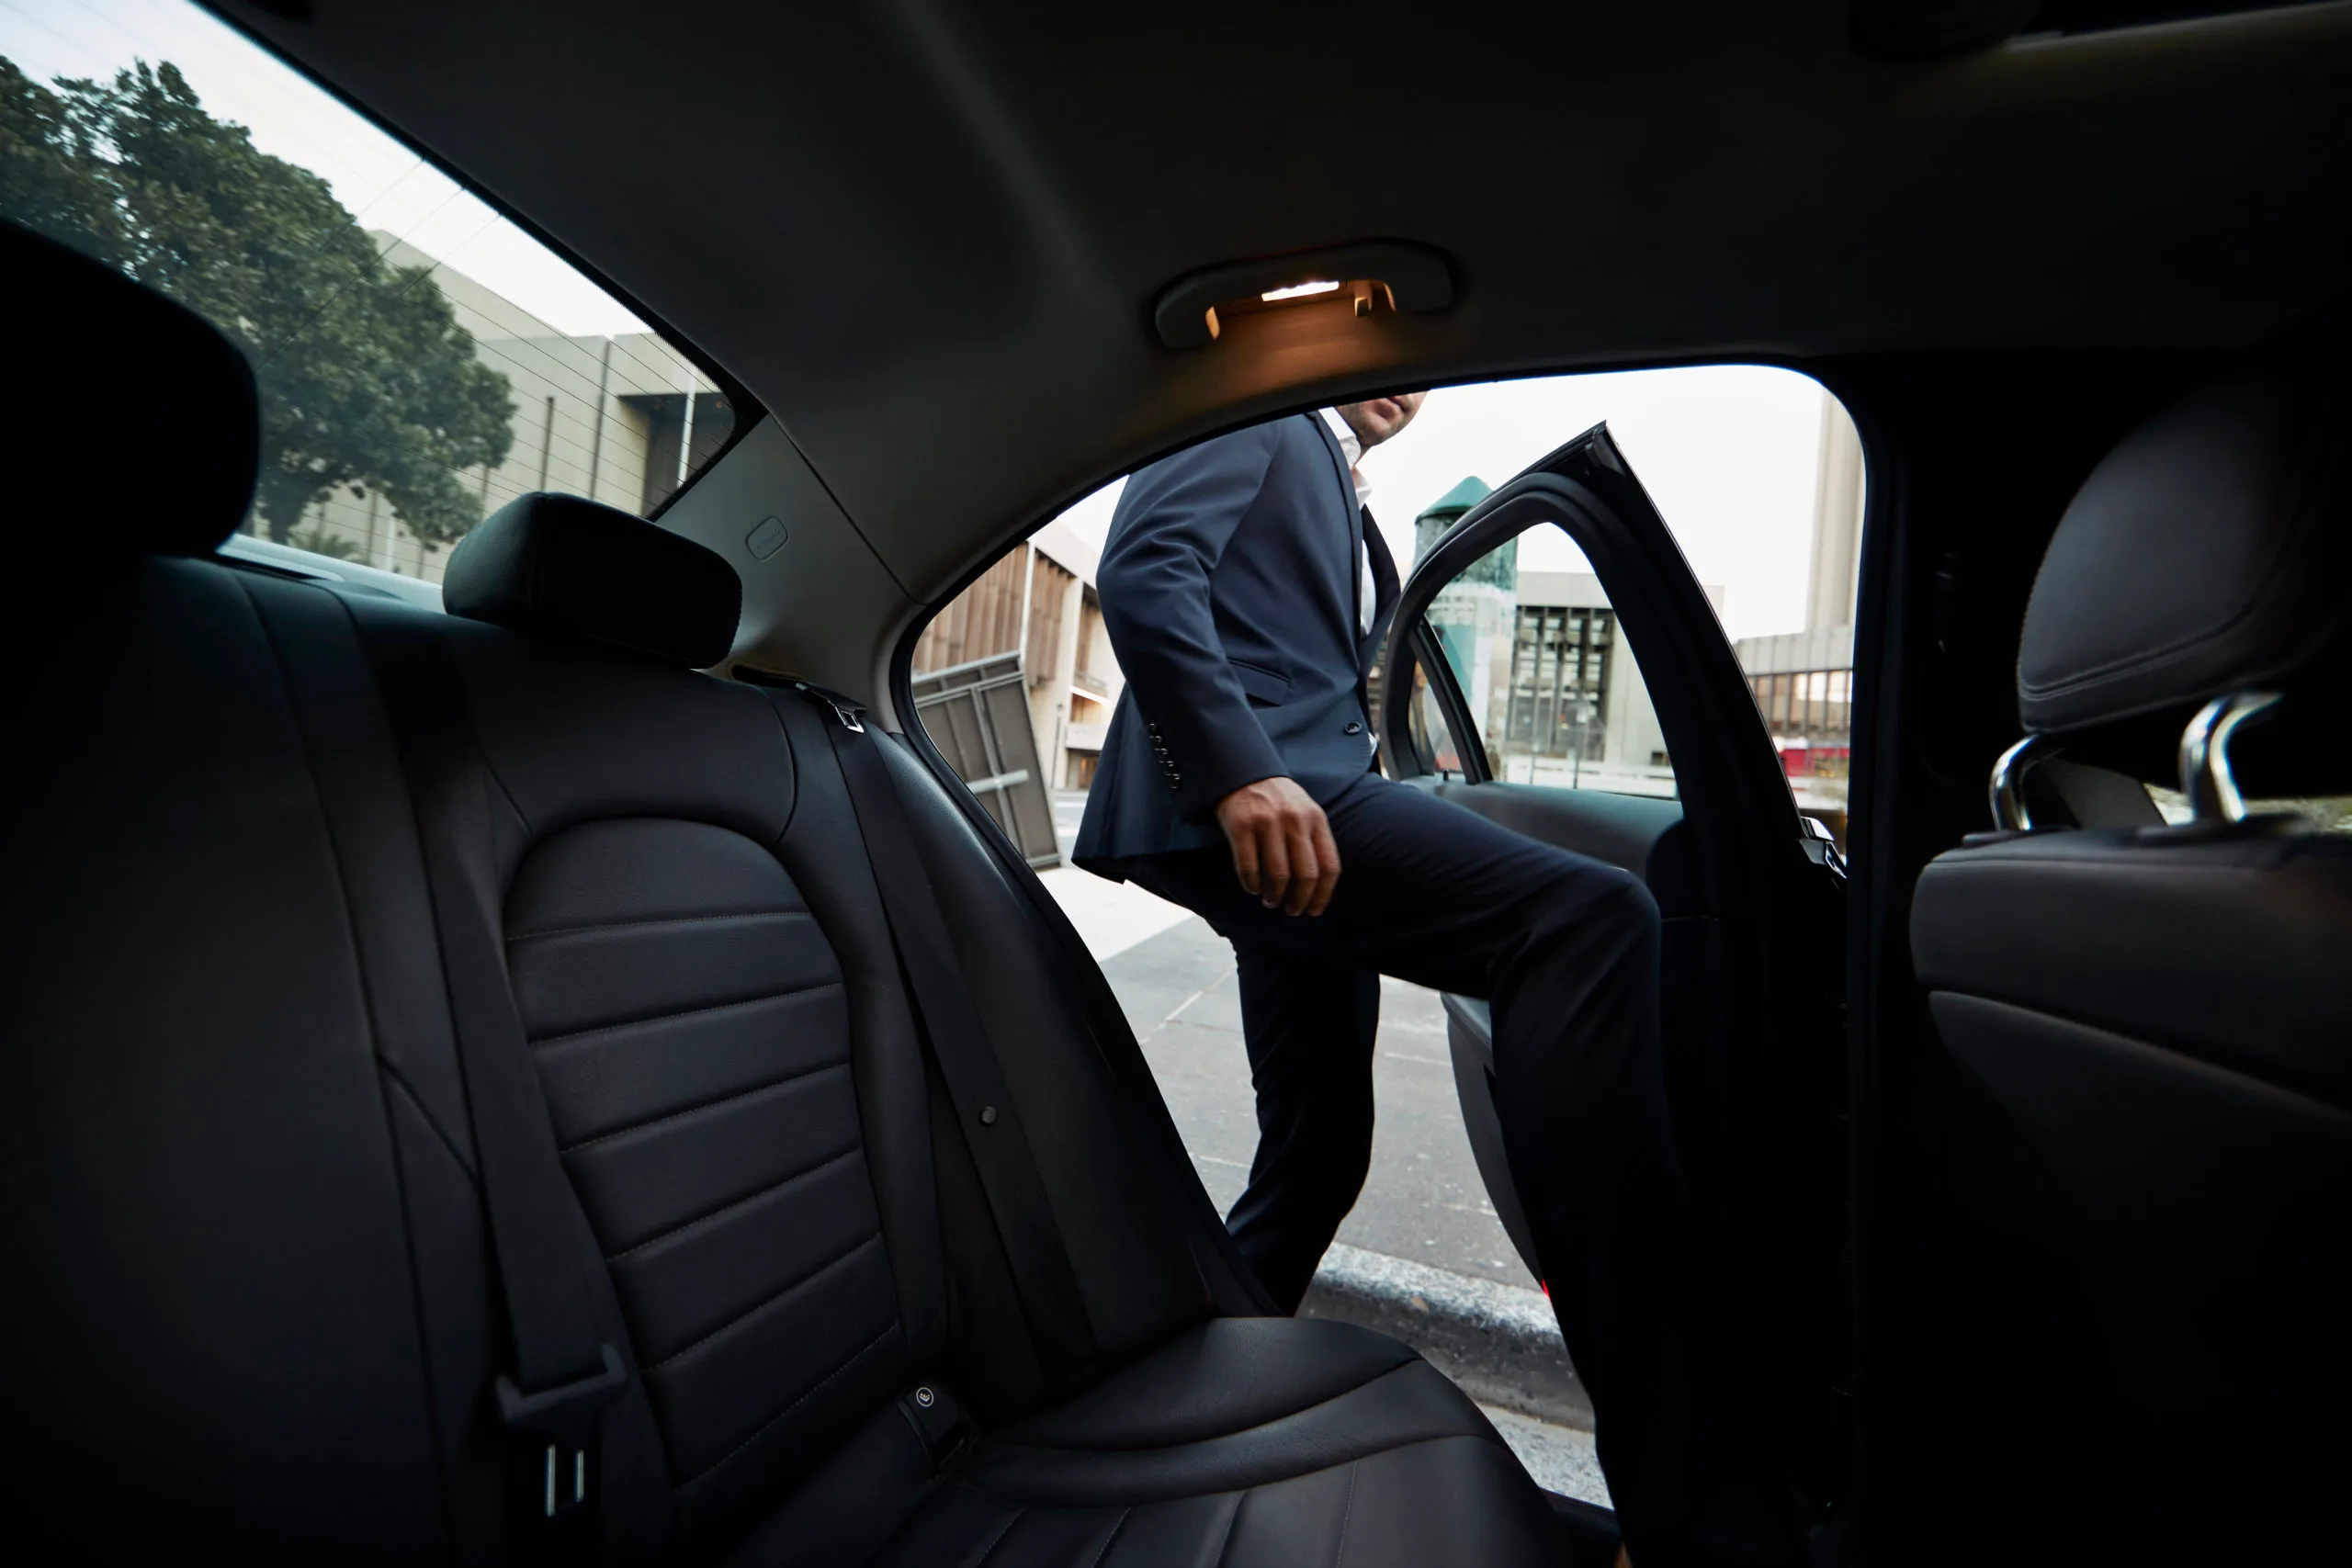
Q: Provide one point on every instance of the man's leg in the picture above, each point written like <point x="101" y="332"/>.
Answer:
<point x="1310" y="1027"/>
<point x="1566" y="950"/>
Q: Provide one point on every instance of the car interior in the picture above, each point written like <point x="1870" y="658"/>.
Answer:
<point x="561" y="1070"/>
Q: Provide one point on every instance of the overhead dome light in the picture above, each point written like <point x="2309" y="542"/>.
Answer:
<point x="1373" y="278"/>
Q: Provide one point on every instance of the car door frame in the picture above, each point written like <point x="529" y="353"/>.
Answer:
<point x="1770" y="901"/>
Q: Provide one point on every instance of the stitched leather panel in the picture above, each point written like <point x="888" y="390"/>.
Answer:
<point x="607" y="1080"/>
<point x="1224" y="1376"/>
<point x="691" y="1026"/>
<point x="1245" y="1442"/>
<point x="1412" y="1404"/>
<point x="1293" y="1441"/>
<point x="783" y="1045"/>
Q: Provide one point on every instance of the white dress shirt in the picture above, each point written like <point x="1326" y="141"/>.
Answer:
<point x="1352" y="448"/>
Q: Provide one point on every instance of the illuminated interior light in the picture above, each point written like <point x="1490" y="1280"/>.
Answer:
<point x="1296" y="292"/>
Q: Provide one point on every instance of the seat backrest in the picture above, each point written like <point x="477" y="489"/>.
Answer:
<point x="695" y="951"/>
<point x="242" y="1160"/>
<point x="2157" y="1020"/>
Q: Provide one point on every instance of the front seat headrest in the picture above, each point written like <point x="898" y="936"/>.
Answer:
<point x="144" y="433"/>
<point x="560" y="566"/>
<point x="2204" y="557"/>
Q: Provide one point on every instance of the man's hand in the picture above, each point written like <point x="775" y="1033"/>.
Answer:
<point x="1282" y="843"/>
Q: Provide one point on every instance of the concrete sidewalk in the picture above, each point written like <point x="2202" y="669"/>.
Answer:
<point x="1422" y="1256"/>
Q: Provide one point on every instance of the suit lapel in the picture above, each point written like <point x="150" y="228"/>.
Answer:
<point x="1383" y="583"/>
<point x="1348" y="506"/>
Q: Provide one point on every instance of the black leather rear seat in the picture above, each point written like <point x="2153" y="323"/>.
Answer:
<point x="253" y="1284"/>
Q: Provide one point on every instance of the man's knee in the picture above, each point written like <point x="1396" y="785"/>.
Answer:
<point x="1604" y="897"/>
<point x="1601" y="920"/>
<point x="1627" y="901"/>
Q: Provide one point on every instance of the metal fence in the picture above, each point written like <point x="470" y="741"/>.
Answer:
<point x="977" y="715"/>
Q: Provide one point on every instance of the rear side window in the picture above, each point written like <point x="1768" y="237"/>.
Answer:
<point x="421" y="360"/>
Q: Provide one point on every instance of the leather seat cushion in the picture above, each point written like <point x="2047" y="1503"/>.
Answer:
<point x="1244" y="1440"/>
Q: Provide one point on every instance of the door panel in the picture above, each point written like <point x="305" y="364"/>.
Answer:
<point x="1639" y="834"/>
<point x="1522" y="700"/>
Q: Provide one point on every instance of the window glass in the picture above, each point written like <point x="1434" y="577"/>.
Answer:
<point x="2322" y="814"/>
<point x="421" y="360"/>
<point x="1434" y="742"/>
<point x="1015" y="682"/>
<point x="1552" y="687"/>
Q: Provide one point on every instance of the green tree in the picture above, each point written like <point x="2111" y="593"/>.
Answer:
<point x="367" y="381"/>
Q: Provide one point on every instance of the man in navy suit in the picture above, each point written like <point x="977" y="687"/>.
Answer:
<point x="1246" y="590"/>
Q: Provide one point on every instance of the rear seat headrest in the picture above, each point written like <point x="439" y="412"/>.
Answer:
<point x="2205" y="555"/>
<point x="560" y="566"/>
<point x="145" y="433"/>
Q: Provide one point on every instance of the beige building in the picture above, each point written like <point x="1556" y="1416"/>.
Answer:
<point x="1559" y="696"/>
<point x="621" y="419"/>
<point x="1040" y="601"/>
<point x="1804" y="681"/>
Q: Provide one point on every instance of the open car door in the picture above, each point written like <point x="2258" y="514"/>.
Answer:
<point x="1516" y="693"/>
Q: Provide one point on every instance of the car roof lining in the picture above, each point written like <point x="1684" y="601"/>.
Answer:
<point x="926" y="236"/>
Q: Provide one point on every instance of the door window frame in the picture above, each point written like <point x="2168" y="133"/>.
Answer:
<point x="1726" y="767"/>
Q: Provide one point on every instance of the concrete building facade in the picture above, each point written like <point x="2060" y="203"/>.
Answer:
<point x="620" y="419"/>
<point x="1557" y="692"/>
<point x="1804" y="681"/>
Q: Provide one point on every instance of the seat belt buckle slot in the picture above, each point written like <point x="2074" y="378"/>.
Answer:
<point x="938" y="1423"/>
<point x="566" y="1484"/>
<point x="564" y="1419"/>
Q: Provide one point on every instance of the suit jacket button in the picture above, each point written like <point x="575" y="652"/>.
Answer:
<point x="1352" y="728"/>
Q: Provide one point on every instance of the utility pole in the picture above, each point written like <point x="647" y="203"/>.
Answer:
<point x="686" y="432"/>
<point x="379" y="554"/>
<point x="1028" y="577"/>
<point x="596" y="420"/>
<point x="547" y="445"/>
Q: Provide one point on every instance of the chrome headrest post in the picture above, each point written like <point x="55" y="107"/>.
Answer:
<point x="2205" y="775"/>
<point x="2006" y="787"/>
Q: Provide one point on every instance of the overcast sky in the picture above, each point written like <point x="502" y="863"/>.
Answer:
<point x="1728" y="453"/>
<point x="384" y="185"/>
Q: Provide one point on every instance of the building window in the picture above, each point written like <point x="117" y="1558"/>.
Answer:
<point x="1558" y="695"/>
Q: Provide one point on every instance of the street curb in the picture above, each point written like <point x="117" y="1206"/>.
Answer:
<point x="1500" y="1342"/>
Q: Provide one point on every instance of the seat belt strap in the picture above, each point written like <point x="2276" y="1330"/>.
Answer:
<point x="1099" y="1005"/>
<point x="564" y="1374"/>
<point x="951" y="1023"/>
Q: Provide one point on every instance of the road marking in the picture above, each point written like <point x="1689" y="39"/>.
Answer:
<point x="1196" y="995"/>
<point x="1153" y="1033"/>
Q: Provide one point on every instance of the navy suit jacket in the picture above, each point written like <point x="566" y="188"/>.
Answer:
<point x="1229" y="585"/>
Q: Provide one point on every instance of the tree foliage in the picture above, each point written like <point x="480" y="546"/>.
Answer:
<point x="367" y="381"/>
